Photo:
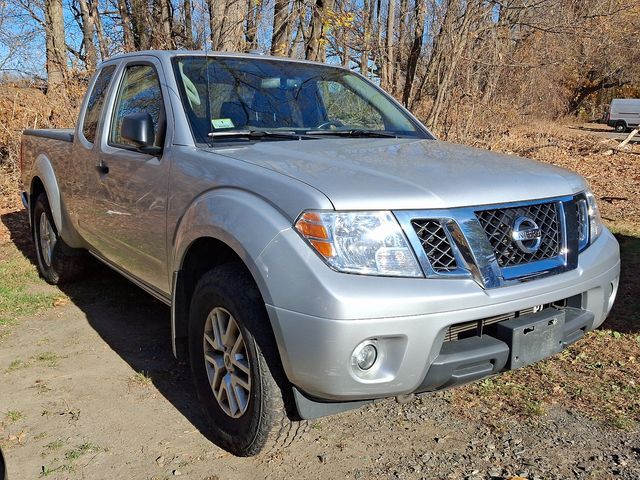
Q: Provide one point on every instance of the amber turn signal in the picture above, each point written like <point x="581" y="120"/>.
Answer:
<point x="310" y="227"/>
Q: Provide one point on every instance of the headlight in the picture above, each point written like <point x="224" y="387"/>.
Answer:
<point x="369" y="243"/>
<point x="595" y="220"/>
<point x="589" y="220"/>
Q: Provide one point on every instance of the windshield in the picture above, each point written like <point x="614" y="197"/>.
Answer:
<point x="222" y="95"/>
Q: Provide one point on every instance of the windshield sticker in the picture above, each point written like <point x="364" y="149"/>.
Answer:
<point x="222" y="123"/>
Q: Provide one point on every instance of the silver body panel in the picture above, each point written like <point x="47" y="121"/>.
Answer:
<point x="142" y="217"/>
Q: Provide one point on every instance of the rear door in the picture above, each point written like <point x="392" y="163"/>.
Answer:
<point x="130" y="186"/>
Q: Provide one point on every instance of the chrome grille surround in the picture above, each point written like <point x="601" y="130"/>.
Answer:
<point x="474" y="254"/>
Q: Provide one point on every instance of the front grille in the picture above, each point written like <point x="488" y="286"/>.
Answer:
<point x="498" y="223"/>
<point x="436" y="245"/>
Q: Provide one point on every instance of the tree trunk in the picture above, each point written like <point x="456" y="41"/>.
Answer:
<point x="281" y="37"/>
<point x="88" y="31"/>
<point x="102" y="43"/>
<point x="188" y="24"/>
<point x="227" y="18"/>
<point x="367" y="27"/>
<point x="56" y="49"/>
<point x="127" y="31"/>
<point x="315" y="48"/>
<point x="399" y="57"/>
<point x="165" y="38"/>
<point x="140" y="19"/>
<point x="300" y="37"/>
<point x="388" y="60"/>
<point x="378" y="53"/>
<point x="253" y="21"/>
<point x="343" y="40"/>
<point x="416" y="48"/>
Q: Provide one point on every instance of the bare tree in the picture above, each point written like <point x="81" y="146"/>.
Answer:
<point x="254" y="18"/>
<point x="55" y="44"/>
<point x="388" y="58"/>
<point x="416" y="48"/>
<point x="188" y="24"/>
<point x="125" y="22"/>
<point x="88" y="31"/>
<point x="281" y="37"/>
<point x="227" y="18"/>
<point x="315" y="46"/>
<point x="162" y="31"/>
<point x="141" y="24"/>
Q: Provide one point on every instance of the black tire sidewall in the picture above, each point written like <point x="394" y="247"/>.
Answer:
<point x="620" y="127"/>
<point x="3" y="467"/>
<point x="235" y="434"/>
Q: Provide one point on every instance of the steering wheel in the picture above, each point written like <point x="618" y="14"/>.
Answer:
<point x="330" y="123"/>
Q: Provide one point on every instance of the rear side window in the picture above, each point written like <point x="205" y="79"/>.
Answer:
<point x="139" y="92"/>
<point x="96" y="101"/>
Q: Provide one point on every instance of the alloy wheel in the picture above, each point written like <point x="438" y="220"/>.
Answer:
<point x="227" y="363"/>
<point x="48" y="239"/>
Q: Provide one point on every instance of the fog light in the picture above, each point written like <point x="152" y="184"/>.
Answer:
<point x="365" y="355"/>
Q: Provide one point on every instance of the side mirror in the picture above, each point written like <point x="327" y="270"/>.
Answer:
<point x="138" y="128"/>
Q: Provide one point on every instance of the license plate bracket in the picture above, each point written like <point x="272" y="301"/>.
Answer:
<point x="532" y="337"/>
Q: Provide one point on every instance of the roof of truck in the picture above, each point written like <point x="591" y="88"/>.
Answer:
<point x="163" y="54"/>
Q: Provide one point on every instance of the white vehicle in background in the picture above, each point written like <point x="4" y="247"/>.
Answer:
<point x="624" y="114"/>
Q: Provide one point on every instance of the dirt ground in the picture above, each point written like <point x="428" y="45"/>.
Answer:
<point x="90" y="390"/>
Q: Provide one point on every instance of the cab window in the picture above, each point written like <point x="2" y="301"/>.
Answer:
<point x="139" y="92"/>
<point x="95" y="103"/>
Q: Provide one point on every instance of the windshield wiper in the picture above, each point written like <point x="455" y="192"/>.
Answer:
<point x="257" y="134"/>
<point x="353" y="133"/>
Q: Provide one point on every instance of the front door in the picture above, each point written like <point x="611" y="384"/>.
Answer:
<point x="131" y="184"/>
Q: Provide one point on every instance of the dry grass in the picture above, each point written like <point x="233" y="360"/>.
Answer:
<point x="22" y="108"/>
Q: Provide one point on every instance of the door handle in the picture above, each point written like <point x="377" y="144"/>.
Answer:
<point x="102" y="168"/>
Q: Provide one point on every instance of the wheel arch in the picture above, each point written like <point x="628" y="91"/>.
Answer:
<point x="220" y="226"/>
<point x="43" y="180"/>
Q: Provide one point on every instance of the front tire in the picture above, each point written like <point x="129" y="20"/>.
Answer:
<point x="57" y="262"/>
<point x="621" y="127"/>
<point x="235" y="364"/>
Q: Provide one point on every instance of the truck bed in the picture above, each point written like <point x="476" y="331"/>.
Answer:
<point x="62" y="134"/>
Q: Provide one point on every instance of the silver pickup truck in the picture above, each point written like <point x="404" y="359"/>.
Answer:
<point x="318" y="247"/>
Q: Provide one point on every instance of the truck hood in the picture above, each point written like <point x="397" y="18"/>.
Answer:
<point x="396" y="174"/>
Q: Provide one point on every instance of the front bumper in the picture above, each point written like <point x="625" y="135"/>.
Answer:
<point x="320" y="318"/>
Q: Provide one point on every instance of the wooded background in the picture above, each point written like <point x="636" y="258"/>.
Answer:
<point x="453" y="62"/>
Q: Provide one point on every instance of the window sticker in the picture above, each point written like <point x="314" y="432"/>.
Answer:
<point x="222" y="123"/>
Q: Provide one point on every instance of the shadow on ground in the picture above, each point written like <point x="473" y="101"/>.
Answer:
<point x="625" y="315"/>
<point x="130" y="321"/>
<point x="587" y="128"/>
<point x="607" y="131"/>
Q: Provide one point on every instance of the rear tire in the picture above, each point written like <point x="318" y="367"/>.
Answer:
<point x="620" y="127"/>
<point x="57" y="262"/>
<point x="231" y="345"/>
